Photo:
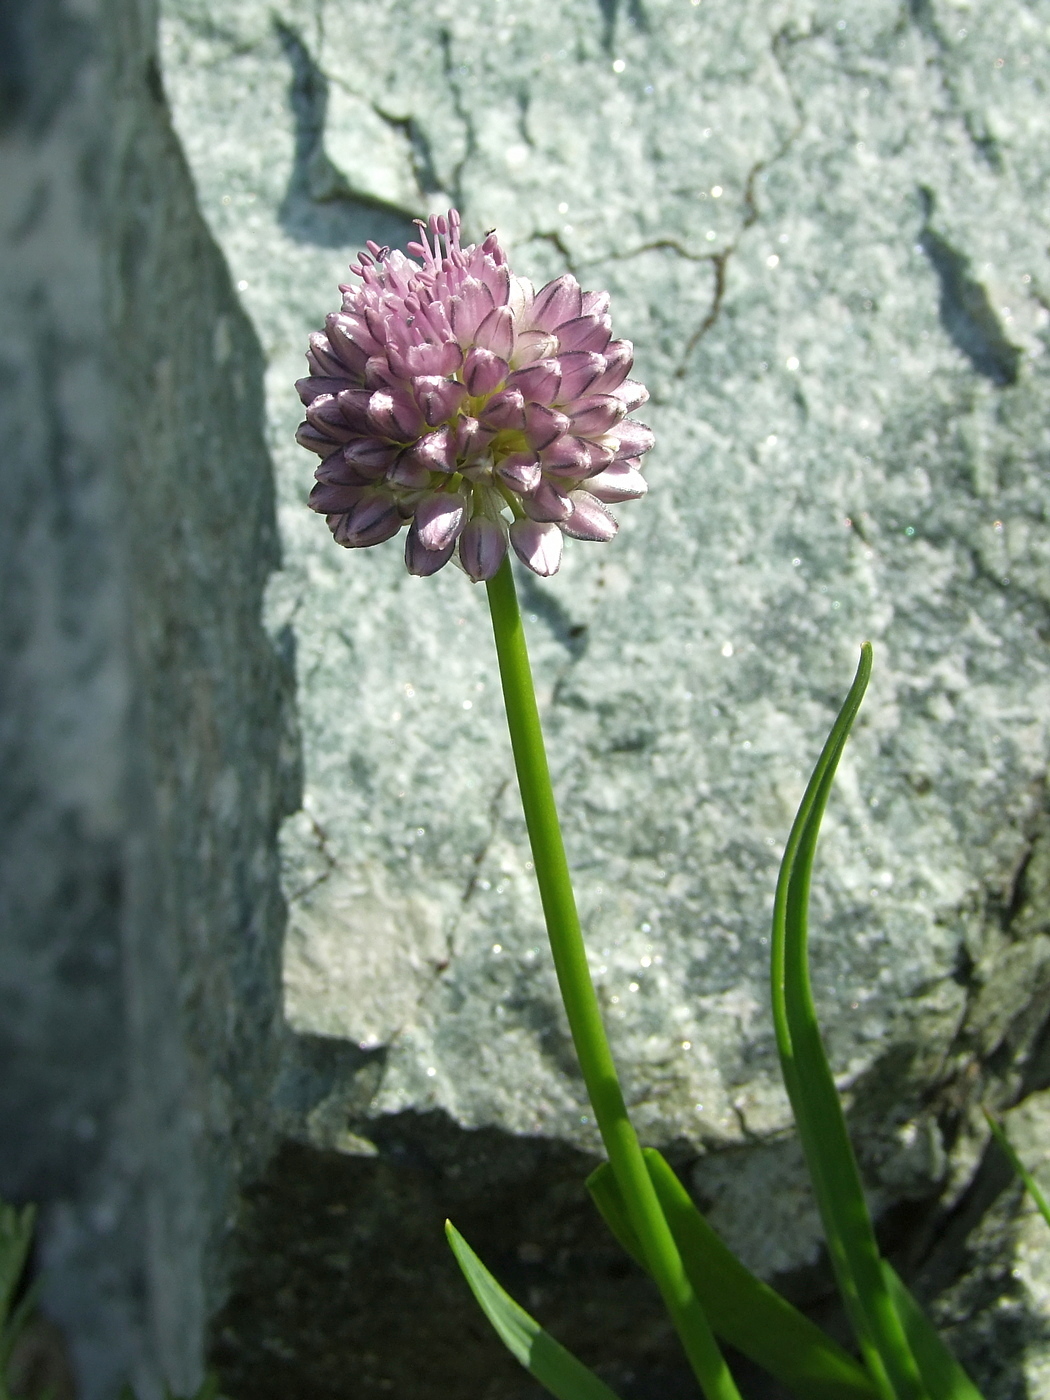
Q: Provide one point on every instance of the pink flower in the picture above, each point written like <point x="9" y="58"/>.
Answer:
<point x="449" y="396"/>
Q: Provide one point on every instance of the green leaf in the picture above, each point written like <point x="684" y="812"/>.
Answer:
<point x="16" y="1237"/>
<point x="811" y="1088"/>
<point x="945" y="1379"/>
<point x="1031" y="1185"/>
<point x="538" y="1352"/>
<point x="742" y="1310"/>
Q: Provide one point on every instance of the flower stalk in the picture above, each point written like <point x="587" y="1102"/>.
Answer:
<point x="581" y="1001"/>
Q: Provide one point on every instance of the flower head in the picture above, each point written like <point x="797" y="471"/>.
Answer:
<point x="449" y="396"/>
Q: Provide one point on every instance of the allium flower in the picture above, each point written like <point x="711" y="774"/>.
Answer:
<point x="450" y="396"/>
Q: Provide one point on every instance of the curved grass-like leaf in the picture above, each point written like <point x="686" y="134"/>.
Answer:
<point x="1031" y="1185"/>
<point x="16" y="1238"/>
<point x="811" y="1088"/>
<point x="552" y="1365"/>
<point x="742" y="1310"/>
<point x="944" y="1378"/>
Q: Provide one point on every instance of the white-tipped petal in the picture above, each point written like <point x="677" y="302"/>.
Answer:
<point x="589" y="519"/>
<point x="422" y="561"/>
<point x="537" y="545"/>
<point x="440" y="517"/>
<point x="620" y="481"/>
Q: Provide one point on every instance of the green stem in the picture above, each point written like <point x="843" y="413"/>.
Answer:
<point x="581" y="1001"/>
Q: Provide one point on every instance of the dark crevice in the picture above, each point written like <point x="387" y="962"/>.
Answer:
<point x="609" y="11"/>
<point x="318" y="206"/>
<point x="556" y="241"/>
<point x="966" y="313"/>
<point x="483" y="850"/>
<point x="422" y="153"/>
<point x="720" y="260"/>
<point x="921" y="13"/>
<point x="656" y="245"/>
<point x="718" y="263"/>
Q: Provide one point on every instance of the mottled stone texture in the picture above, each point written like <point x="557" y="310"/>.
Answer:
<point x="823" y="224"/>
<point x="139" y="712"/>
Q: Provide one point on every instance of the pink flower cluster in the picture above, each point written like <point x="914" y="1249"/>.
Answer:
<point x="450" y="396"/>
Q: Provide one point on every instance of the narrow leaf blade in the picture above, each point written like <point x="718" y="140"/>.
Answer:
<point x="742" y="1310"/>
<point x="552" y="1365"/>
<point x="811" y="1087"/>
<point x="1031" y="1185"/>
<point x="945" y="1379"/>
<point x="16" y="1237"/>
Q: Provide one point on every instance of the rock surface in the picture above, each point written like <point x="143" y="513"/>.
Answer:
<point x="140" y="707"/>
<point x="822" y="225"/>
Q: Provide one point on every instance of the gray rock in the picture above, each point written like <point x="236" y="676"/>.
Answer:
<point x="141" y="706"/>
<point x="821" y="225"/>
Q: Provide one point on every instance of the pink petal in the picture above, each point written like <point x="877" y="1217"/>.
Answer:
<point x="379" y="373"/>
<point x="371" y="521"/>
<point x="323" y="415"/>
<point x="436" y="451"/>
<point x="559" y="301"/>
<point x="353" y="405"/>
<point x="634" y="439"/>
<point x="422" y="561"/>
<point x="338" y="470"/>
<point x="520" y="471"/>
<point x="579" y="370"/>
<point x="434" y="357"/>
<point x="322" y="359"/>
<point x="469" y="308"/>
<point x="350" y="340"/>
<point x="595" y="414"/>
<point x="394" y="415"/>
<point x="530" y="346"/>
<point x="471" y="439"/>
<point x="621" y="481"/>
<point x="589" y="519"/>
<point x="585" y="333"/>
<point x="482" y="546"/>
<point x="371" y="455"/>
<point x="409" y="473"/>
<point x="313" y="441"/>
<point x="483" y="371"/>
<point x="567" y="456"/>
<point x="439" y="518"/>
<point x="619" y="356"/>
<point x="438" y="398"/>
<point x="504" y="410"/>
<point x="538" y="545"/>
<point x="547" y="502"/>
<point x="328" y="497"/>
<point x="496" y="332"/>
<point x="595" y="303"/>
<point x="543" y="425"/>
<point x="538" y="382"/>
<point x="631" y="394"/>
<point x="316" y="387"/>
<point x="497" y="278"/>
